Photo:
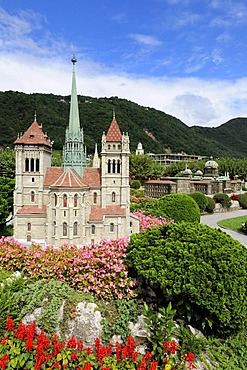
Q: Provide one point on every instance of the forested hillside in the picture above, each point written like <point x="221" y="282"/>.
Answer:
<point x="156" y="130"/>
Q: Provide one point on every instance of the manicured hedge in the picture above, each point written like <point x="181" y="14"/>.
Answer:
<point x="177" y="207"/>
<point x="242" y="198"/>
<point x="223" y="199"/>
<point x="180" y="207"/>
<point x="200" y="199"/>
<point x="201" y="270"/>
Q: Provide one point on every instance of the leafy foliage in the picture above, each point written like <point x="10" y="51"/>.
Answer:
<point x="210" y="206"/>
<point x="177" y="207"/>
<point x="160" y="325"/>
<point x="201" y="270"/>
<point x="223" y="199"/>
<point x="200" y="199"/>
<point x="242" y="198"/>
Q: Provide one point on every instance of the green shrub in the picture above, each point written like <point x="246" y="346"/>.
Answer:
<point x="135" y="184"/>
<point x="210" y="206"/>
<point x="242" y="198"/>
<point x="223" y="199"/>
<point x="179" y="207"/>
<point x="201" y="270"/>
<point x="200" y="199"/>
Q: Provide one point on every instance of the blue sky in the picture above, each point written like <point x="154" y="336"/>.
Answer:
<point x="184" y="57"/>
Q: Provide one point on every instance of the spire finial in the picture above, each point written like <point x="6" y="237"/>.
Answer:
<point x="113" y="113"/>
<point x="73" y="59"/>
<point x="35" y="116"/>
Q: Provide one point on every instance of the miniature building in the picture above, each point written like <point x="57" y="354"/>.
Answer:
<point x="73" y="203"/>
<point x="207" y="183"/>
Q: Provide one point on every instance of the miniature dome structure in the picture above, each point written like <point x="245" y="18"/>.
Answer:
<point x="139" y="149"/>
<point x="211" y="168"/>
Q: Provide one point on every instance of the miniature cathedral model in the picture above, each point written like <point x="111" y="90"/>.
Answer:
<point x="74" y="203"/>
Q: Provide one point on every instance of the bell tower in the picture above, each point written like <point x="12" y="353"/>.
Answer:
<point x="115" y="167"/>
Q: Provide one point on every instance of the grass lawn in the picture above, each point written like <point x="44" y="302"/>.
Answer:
<point x="233" y="223"/>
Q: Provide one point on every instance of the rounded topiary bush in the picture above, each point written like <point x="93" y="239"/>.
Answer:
<point x="179" y="207"/>
<point x="210" y="206"/>
<point x="223" y="199"/>
<point x="200" y="199"/>
<point x="242" y="198"/>
<point x="201" y="270"/>
<point x="135" y="184"/>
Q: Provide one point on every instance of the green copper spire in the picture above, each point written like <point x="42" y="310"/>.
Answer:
<point x="74" y="153"/>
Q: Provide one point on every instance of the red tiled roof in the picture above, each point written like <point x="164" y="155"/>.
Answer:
<point x="92" y="177"/>
<point x="34" y="135"/>
<point x="200" y="181"/>
<point x="235" y="181"/>
<point x="160" y="182"/>
<point x="52" y="174"/>
<point x="28" y="210"/>
<point x="114" y="133"/>
<point x="69" y="179"/>
<point x="97" y="213"/>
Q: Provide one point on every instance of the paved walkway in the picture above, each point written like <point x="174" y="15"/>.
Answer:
<point x="211" y="220"/>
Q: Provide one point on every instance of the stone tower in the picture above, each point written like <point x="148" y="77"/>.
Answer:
<point x="33" y="157"/>
<point x="74" y="153"/>
<point x="115" y="167"/>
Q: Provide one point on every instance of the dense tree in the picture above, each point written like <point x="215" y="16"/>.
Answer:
<point x="143" y="167"/>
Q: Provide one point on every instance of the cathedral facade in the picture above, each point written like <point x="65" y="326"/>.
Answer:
<point x="73" y="203"/>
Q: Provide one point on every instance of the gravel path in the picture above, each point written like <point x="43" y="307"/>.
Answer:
<point x="211" y="220"/>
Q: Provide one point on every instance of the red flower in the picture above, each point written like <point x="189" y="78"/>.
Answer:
<point x="4" y="341"/>
<point x="10" y="325"/>
<point x="88" y="352"/>
<point x="4" y="361"/>
<point x="20" y="331"/>
<point x="71" y="343"/>
<point x="87" y="366"/>
<point x="74" y="356"/>
<point x="80" y="345"/>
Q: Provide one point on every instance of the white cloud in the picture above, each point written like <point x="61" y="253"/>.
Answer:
<point x="146" y="40"/>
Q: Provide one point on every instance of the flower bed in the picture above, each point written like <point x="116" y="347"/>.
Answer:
<point x="22" y="348"/>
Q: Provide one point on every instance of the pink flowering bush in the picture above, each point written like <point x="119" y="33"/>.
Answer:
<point x="150" y="221"/>
<point x="97" y="268"/>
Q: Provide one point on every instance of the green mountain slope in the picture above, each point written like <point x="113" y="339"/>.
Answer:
<point x="156" y="130"/>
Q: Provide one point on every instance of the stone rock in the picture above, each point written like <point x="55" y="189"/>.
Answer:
<point x="86" y="325"/>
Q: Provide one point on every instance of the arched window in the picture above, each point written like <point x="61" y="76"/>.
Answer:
<point x="65" y="200"/>
<point x="29" y="226"/>
<point x="32" y="165"/>
<point x="109" y="147"/>
<point x="111" y="227"/>
<point x="75" y="229"/>
<point x="55" y="200"/>
<point x="32" y="196"/>
<point x="109" y="166"/>
<point x="95" y="198"/>
<point x="37" y="165"/>
<point x="113" y="197"/>
<point x="113" y="166"/>
<point x="118" y="166"/>
<point x="26" y="164"/>
<point x="65" y="229"/>
<point x="54" y="228"/>
<point x="114" y="146"/>
<point x="83" y="198"/>
<point x="75" y="200"/>
<point x="93" y="229"/>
